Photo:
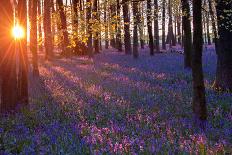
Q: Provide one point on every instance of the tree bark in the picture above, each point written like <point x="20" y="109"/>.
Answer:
<point x="65" y="39"/>
<point x="127" y="37"/>
<point x="89" y="28"/>
<point x="106" y="26"/>
<point x="118" y="35"/>
<point x="23" y="57"/>
<point x="149" y="27"/>
<point x="163" y="24"/>
<point x="47" y="30"/>
<point x="199" y="101"/>
<point x="156" y="26"/>
<point x="135" y="30"/>
<point x="7" y="59"/>
<point x="187" y="34"/>
<point x="33" y="37"/>
<point x="224" y="60"/>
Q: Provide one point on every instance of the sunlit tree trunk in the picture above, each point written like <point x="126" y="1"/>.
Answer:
<point x="40" y="37"/>
<point x="118" y="35"/>
<point x="199" y="101"/>
<point x="7" y="59"/>
<point x="149" y="27"/>
<point x="23" y="57"/>
<point x="106" y="25"/>
<point x="135" y="30"/>
<point x="96" y="33"/>
<point x="127" y="37"/>
<point x="33" y="37"/>
<point x="47" y="30"/>
<point x="89" y="28"/>
<point x="65" y="39"/>
<point x="224" y="56"/>
<point x="213" y="23"/>
<point x="186" y="24"/>
<point x="112" y="25"/>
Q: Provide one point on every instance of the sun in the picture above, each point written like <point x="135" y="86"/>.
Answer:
<point x="18" y="32"/>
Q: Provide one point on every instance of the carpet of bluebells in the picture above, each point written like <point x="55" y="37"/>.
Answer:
<point x="114" y="104"/>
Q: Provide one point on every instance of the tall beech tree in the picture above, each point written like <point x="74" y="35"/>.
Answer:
<point x="186" y="23"/>
<point x="8" y="58"/>
<point x="126" y="18"/>
<point x="163" y="24"/>
<point x="135" y="30"/>
<point x="89" y="27"/>
<point x="199" y="101"/>
<point x="65" y="39"/>
<point x="149" y="27"/>
<point x="118" y="34"/>
<point x="23" y="57"/>
<point x="156" y="25"/>
<point x="224" y="54"/>
<point x="33" y="37"/>
<point x="47" y="30"/>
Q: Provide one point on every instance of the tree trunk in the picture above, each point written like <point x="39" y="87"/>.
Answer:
<point x="213" y="24"/>
<point x="224" y="60"/>
<point x="96" y="34"/>
<point x="135" y="30"/>
<point x="187" y="34"/>
<point x="7" y="59"/>
<point x="141" y="26"/>
<point x="156" y="26"/>
<point x="127" y="37"/>
<point x="118" y="35"/>
<point x="23" y="57"/>
<point x="199" y="101"/>
<point x="149" y="27"/>
<point x="33" y="37"/>
<point x="106" y="26"/>
<point x="40" y="37"/>
<point x="47" y="30"/>
<point x="89" y="28"/>
<point x="170" y="36"/>
<point x="65" y="39"/>
<point x="163" y="24"/>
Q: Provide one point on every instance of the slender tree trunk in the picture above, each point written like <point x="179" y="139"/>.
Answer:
<point x="106" y="26"/>
<point x="178" y="28"/>
<point x="135" y="30"/>
<point x="187" y="34"/>
<point x="118" y="35"/>
<point x="224" y="60"/>
<point x="127" y="37"/>
<point x="207" y="26"/>
<point x="96" y="34"/>
<point x="40" y="37"/>
<point x="33" y="37"/>
<point x="199" y="101"/>
<point x="65" y="39"/>
<point x="149" y="27"/>
<point x="23" y="58"/>
<point x="113" y="25"/>
<point x="213" y="24"/>
<point x="89" y="28"/>
<point x="47" y="30"/>
<point x="141" y="26"/>
<point x="170" y="36"/>
<point x="156" y="26"/>
<point x="7" y="59"/>
<point x="163" y="24"/>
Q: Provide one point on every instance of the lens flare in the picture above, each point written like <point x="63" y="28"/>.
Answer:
<point x="18" y="32"/>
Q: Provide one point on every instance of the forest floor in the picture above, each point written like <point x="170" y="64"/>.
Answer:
<point x="116" y="104"/>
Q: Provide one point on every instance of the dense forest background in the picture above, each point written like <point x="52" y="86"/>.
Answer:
<point x="180" y="55"/>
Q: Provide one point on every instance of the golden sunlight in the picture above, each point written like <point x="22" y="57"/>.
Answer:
<point x="18" y="32"/>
